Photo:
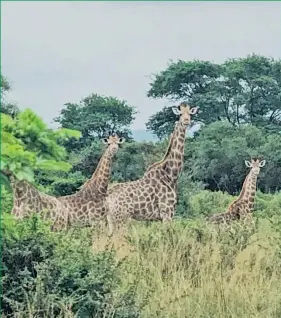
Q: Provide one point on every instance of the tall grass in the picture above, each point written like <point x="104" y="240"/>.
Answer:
<point x="181" y="269"/>
<point x="188" y="270"/>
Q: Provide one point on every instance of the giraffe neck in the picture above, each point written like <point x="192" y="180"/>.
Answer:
<point x="22" y="189"/>
<point x="173" y="162"/>
<point x="248" y="192"/>
<point x="170" y="166"/>
<point x="100" y="178"/>
<point x="249" y="186"/>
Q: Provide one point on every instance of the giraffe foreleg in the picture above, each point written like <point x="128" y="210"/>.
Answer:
<point x="110" y="224"/>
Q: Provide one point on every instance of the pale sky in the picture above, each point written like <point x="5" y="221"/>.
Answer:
<point x="59" y="52"/>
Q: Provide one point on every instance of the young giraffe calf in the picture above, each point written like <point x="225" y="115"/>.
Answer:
<point x="244" y="204"/>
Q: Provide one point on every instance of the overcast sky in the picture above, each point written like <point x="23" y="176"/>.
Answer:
<point x="59" y="52"/>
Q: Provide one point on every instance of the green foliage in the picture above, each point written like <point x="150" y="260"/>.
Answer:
<point x="130" y="162"/>
<point x="96" y="117"/>
<point x="28" y="145"/>
<point x="48" y="275"/>
<point x="186" y="189"/>
<point x="61" y="183"/>
<point x="206" y="202"/>
<point x="217" y="153"/>
<point x="268" y="205"/>
<point x="134" y="158"/>
<point x="6" y="199"/>
<point x="167" y="271"/>
<point x="241" y="91"/>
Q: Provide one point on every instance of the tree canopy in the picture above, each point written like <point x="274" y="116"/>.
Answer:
<point x="217" y="153"/>
<point x="97" y="117"/>
<point x="241" y="91"/>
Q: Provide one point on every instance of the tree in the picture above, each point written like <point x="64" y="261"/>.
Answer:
<point x="241" y="91"/>
<point x="217" y="153"/>
<point x="97" y="117"/>
<point x="5" y="85"/>
<point x="28" y="145"/>
<point x="7" y="108"/>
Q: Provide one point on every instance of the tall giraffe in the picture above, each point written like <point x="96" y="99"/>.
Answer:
<point x="89" y="201"/>
<point x="244" y="204"/>
<point x="153" y="197"/>
<point x="84" y="206"/>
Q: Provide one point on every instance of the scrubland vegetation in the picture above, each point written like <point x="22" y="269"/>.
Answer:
<point x="183" y="269"/>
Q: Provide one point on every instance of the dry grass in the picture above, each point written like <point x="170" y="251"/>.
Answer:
<point x="190" y="271"/>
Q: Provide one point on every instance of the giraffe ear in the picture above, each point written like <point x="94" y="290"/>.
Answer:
<point x="121" y="140"/>
<point x="193" y="110"/>
<point x="262" y="163"/>
<point x="105" y="141"/>
<point x="248" y="164"/>
<point x="176" y="111"/>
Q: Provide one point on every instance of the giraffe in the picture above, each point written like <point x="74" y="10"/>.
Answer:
<point x="242" y="207"/>
<point x="153" y="197"/>
<point x="83" y="206"/>
<point x="88" y="204"/>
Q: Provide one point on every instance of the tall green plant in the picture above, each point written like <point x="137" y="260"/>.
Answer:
<point x="28" y="145"/>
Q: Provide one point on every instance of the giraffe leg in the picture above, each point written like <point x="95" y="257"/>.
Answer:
<point x="110" y="224"/>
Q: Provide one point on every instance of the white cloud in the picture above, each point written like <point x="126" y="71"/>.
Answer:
<point x="58" y="52"/>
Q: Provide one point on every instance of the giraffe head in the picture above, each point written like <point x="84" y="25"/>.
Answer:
<point x="113" y="143"/>
<point x="184" y="111"/>
<point x="255" y="165"/>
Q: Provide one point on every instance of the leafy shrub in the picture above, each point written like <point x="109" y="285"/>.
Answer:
<point x="186" y="189"/>
<point x="268" y="204"/>
<point x="206" y="202"/>
<point x="6" y="200"/>
<point x="28" y="145"/>
<point x="49" y="275"/>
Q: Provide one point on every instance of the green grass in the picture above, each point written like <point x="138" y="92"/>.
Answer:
<point x="181" y="269"/>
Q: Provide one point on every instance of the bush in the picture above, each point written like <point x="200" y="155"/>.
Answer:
<point x="185" y="267"/>
<point x="52" y="275"/>
<point x="6" y="200"/>
<point x="268" y="204"/>
<point x="206" y="202"/>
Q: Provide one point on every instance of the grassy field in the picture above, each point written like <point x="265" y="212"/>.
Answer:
<point x="176" y="270"/>
<point x="187" y="270"/>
